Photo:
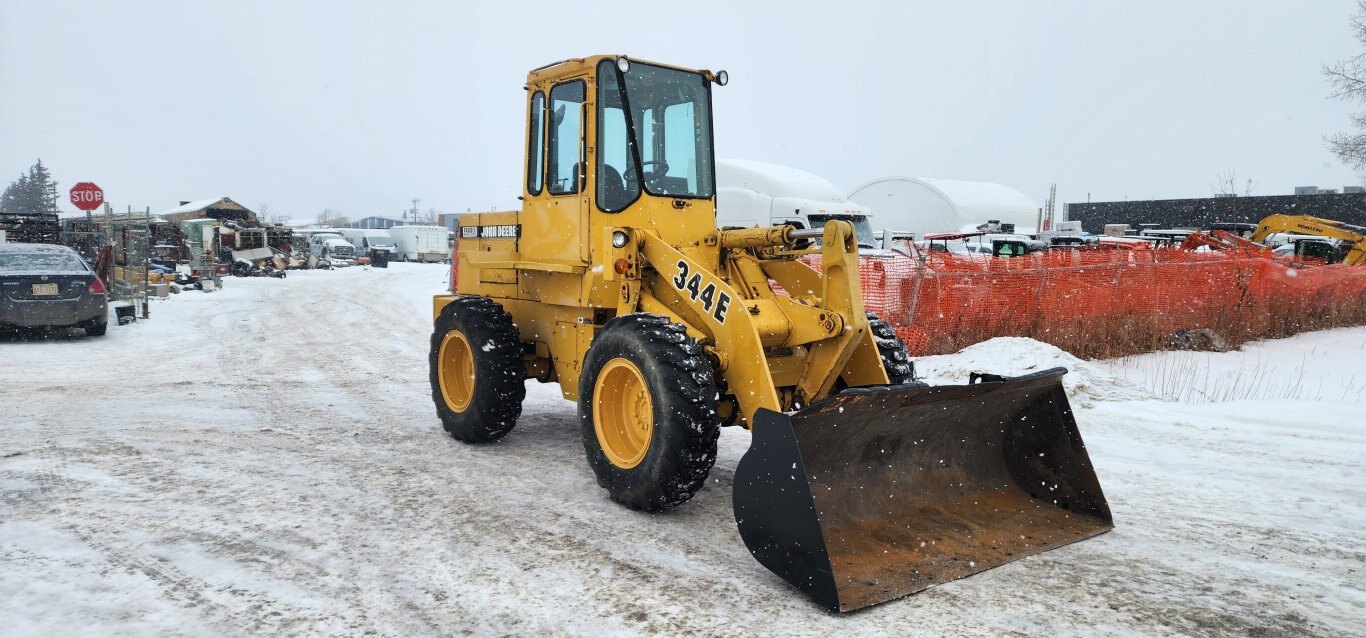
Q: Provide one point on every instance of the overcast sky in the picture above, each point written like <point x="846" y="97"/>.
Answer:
<point x="359" y="107"/>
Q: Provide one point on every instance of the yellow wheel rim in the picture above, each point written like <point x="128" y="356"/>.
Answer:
<point x="623" y="413"/>
<point x="456" y="371"/>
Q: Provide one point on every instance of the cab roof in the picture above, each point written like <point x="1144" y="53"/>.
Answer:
<point x="579" y="66"/>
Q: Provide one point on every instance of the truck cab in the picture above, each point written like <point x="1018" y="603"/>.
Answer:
<point x="331" y="246"/>
<point x="751" y="193"/>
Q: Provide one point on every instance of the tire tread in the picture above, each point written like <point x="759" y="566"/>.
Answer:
<point x="696" y="425"/>
<point x="896" y="358"/>
<point x="500" y="387"/>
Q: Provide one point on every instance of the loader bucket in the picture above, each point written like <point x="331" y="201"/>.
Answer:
<point x="880" y="492"/>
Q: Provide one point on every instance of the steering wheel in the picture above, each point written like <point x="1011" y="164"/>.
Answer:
<point x="660" y="168"/>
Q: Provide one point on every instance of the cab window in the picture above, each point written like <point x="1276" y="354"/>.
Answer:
<point x="614" y="192"/>
<point x="566" y="138"/>
<point x="535" y="158"/>
<point x="672" y="130"/>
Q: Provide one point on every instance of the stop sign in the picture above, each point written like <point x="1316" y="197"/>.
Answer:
<point x="87" y="196"/>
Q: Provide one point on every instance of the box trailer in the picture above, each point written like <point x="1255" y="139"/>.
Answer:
<point x="421" y="243"/>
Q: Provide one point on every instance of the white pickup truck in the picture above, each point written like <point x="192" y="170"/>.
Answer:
<point x="331" y="249"/>
<point x="368" y="240"/>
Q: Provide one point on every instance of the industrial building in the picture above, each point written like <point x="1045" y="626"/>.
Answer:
<point x="220" y="208"/>
<point x="1348" y="206"/>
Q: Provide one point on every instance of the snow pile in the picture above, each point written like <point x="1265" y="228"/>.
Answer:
<point x="1086" y="382"/>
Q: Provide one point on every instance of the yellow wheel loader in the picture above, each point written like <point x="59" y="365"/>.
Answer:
<point x="861" y="484"/>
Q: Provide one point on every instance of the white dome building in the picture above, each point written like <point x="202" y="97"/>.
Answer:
<point x="924" y="206"/>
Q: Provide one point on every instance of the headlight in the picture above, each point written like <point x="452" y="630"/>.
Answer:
<point x="619" y="239"/>
<point x="722" y="77"/>
<point x="623" y="64"/>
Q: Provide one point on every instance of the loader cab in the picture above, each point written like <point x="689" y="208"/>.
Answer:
<point x="1012" y="247"/>
<point x="616" y="142"/>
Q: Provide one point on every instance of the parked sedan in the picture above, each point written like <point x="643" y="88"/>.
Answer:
<point x="44" y="285"/>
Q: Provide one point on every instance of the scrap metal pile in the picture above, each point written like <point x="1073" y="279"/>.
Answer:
<point x="30" y="228"/>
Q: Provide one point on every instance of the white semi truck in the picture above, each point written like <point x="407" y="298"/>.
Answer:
<point x="750" y="193"/>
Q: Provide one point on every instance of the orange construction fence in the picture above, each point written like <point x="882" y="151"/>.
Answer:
<point x="1106" y="303"/>
<point x="1103" y="303"/>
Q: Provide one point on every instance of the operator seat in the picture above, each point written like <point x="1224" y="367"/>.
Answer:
<point x="612" y="190"/>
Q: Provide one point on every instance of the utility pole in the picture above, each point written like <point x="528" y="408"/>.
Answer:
<point x="415" y="201"/>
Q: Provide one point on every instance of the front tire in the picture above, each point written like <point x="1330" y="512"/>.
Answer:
<point x="647" y="412"/>
<point x="476" y="370"/>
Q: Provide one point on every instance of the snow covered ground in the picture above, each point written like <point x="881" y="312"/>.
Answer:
<point x="266" y="460"/>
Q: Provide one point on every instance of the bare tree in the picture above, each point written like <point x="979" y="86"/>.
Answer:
<point x="1226" y="184"/>
<point x="1348" y="78"/>
<point x="264" y="215"/>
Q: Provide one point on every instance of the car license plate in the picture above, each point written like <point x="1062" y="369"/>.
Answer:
<point x="44" y="289"/>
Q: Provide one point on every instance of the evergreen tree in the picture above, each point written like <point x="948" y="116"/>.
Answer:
<point x="15" y="193"/>
<point x="33" y="193"/>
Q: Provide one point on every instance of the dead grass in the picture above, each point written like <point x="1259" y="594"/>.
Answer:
<point x="1189" y="377"/>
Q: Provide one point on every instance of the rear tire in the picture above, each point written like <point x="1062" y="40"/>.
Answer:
<point x="96" y="329"/>
<point x="896" y="359"/>
<point x="476" y="370"/>
<point x="643" y="364"/>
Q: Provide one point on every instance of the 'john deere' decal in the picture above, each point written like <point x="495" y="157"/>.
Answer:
<point x="502" y="231"/>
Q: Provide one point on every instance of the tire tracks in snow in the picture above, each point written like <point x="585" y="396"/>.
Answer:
<point x="273" y="512"/>
<point x="413" y="499"/>
<point x="60" y="491"/>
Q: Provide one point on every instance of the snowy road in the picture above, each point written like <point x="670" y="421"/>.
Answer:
<point x="266" y="460"/>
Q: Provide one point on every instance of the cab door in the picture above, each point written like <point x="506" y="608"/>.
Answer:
<point x="555" y="214"/>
